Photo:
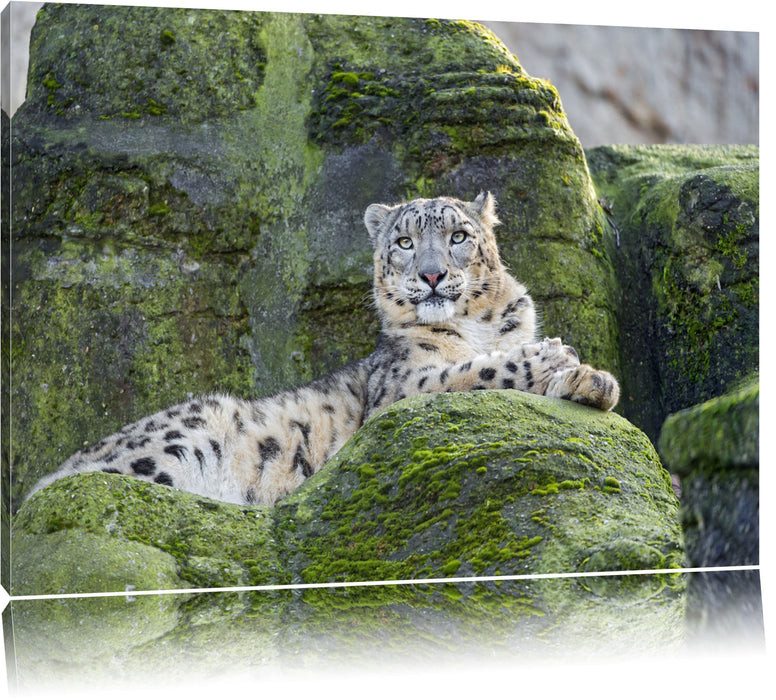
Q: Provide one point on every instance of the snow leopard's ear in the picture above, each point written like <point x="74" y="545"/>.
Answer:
<point x="374" y="218"/>
<point x="485" y="207"/>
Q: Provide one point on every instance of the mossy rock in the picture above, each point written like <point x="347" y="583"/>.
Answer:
<point x="437" y="486"/>
<point x="204" y="542"/>
<point x="483" y="484"/>
<point x="686" y="254"/>
<point x="173" y="236"/>
<point x="457" y="492"/>
<point x="714" y="447"/>
<point x="719" y="435"/>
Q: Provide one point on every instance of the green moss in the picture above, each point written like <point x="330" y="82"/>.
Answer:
<point x="719" y="435"/>
<point x="167" y="38"/>
<point x="158" y="209"/>
<point x="175" y="62"/>
<point x="451" y="567"/>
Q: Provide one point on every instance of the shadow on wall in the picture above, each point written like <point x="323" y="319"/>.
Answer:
<point x="682" y="86"/>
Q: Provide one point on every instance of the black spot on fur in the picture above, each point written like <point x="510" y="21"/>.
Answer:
<point x="153" y="426"/>
<point x="111" y="470"/>
<point x="193" y="422"/>
<point x="329" y="408"/>
<point x="446" y="331"/>
<point x="250" y="496"/>
<point x="135" y="444"/>
<point x="173" y="412"/>
<point x="200" y="457"/>
<point x="421" y="382"/>
<point x="487" y="373"/>
<point x="145" y="466"/>
<point x="269" y="449"/>
<point x="465" y="367"/>
<point x="239" y="426"/>
<point x="510" y="325"/>
<point x="93" y="448"/>
<point x="487" y="316"/>
<point x="163" y="478"/>
<point x="508" y="383"/>
<point x="378" y="397"/>
<point x="195" y="407"/>
<point x="444" y="375"/>
<point x="173" y="435"/>
<point x="212" y="402"/>
<point x="216" y="448"/>
<point x="178" y="451"/>
<point x="301" y="463"/>
<point x="304" y="428"/>
<point x="511" y="366"/>
<point x="112" y="457"/>
<point x="428" y="347"/>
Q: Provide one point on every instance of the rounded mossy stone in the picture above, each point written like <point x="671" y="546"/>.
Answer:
<point x="483" y="483"/>
<point x="204" y="542"/>
<point x="719" y="435"/>
<point x="686" y="255"/>
<point x="75" y="561"/>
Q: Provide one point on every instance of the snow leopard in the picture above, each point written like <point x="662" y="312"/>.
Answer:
<point x="453" y="319"/>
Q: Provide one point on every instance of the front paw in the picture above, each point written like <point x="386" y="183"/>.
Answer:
<point x="586" y="385"/>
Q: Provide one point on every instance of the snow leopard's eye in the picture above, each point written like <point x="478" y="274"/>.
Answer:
<point x="404" y="242"/>
<point x="458" y="237"/>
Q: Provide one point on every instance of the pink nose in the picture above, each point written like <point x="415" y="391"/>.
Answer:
<point x="432" y="278"/>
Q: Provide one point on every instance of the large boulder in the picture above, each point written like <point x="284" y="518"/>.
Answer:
<point x="686" y="254"/>
<point x="187" y="215"/>
<point x="437" y="486"/>
<point x="458" y="492"/>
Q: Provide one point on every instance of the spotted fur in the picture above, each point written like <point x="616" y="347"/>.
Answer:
<point x="453" y="319"/>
